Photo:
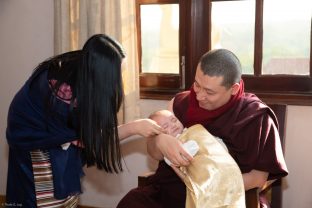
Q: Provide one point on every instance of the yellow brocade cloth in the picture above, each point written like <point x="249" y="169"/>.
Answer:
<point x="213" y="179"/>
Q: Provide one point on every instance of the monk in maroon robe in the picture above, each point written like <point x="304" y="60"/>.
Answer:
<point x="246" y="125"/>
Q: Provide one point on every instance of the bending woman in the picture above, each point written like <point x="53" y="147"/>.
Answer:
<point x="64" y="117"/>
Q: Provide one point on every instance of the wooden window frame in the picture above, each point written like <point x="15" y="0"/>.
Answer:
<point x="288" y="89"/>
<point x="160" y="85"/>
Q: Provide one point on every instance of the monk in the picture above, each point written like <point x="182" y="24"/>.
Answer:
<point x="216" y="100"/>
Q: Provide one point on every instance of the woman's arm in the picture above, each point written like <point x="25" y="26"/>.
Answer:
<point x="144" y="127"/>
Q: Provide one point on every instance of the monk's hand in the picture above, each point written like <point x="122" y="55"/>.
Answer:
<point x="148" y="128"/>
<point x="179" y="172"/>
<point x="172" y="149"/>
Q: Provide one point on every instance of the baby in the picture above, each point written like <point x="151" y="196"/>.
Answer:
<point x="213" y="179"/>
<point x="167" y="120"/>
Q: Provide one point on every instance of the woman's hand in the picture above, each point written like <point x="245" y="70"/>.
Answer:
<point x="144" y="127"/>
<point x="147" y="128"/>
<point x="164" y="145"/>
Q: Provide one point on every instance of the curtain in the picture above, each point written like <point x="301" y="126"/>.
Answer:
<point x="76" y="20"/>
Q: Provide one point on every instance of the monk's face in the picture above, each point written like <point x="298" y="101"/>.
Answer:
<point x="210" y="93"/>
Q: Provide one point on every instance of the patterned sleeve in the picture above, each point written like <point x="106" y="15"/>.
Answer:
<point x="64" y="92"/>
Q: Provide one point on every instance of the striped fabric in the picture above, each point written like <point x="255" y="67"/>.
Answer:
<point x="44" y="182"/>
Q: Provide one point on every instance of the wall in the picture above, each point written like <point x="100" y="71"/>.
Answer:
<point x="105" y="190"/>
<point x="26" y="38"/>
<point x="298" y="154"/>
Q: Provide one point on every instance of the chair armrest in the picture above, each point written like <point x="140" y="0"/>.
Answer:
<point x="252" y="195"/>
<point x="252" y="198"/>
<point x="268" y="184"/>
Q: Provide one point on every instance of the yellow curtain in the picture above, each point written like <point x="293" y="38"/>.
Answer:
<point x="77" y="20"/>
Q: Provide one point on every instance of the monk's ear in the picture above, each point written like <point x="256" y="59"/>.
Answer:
<point x="235" y="88"/>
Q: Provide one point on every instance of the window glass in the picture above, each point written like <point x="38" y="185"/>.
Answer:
<point x="286" y="36"/>
<point x="233" y="24"/>
<point x="160" y="38"/>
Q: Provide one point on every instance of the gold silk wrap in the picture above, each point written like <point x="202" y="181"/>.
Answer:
<point x="213" y="179"/>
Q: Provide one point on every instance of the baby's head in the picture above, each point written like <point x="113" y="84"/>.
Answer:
<point x="167" y="120"/>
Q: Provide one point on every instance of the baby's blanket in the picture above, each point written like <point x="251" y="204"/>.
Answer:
<point x="213" y="179"/>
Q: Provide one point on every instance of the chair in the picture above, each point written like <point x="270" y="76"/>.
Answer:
<point x="273" y="190"/>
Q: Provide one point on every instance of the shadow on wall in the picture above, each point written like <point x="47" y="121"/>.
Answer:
<point x="134" y="157"/>
<point x="137" y="145"/>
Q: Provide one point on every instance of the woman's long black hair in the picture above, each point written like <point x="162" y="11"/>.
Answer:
<point x="99" y="94"/>
<point x="94" y="74"/>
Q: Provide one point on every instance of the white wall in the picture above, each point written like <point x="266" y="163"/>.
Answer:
<point x="106" y="190"/>
<point x="298" y="154"/>
<point x="26" y="38"/>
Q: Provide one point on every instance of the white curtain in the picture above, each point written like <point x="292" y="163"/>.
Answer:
<point x="77" y="20"/>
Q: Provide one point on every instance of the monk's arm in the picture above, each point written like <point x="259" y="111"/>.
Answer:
<point x="152" y="149"/>
<point x="255" y="178"/>
<point x="164" y="145"/>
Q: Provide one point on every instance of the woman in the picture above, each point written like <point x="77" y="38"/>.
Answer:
<point x="63" y="117"/>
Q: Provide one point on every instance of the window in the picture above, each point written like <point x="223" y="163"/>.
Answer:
<point x="160" y="38"/>
<point x="161" y="52"/>
<point x="232" y="26"/>
<point x="286" y="38"/>
<point x="272" y="38"/>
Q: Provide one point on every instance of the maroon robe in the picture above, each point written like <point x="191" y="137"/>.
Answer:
<point x="249" y="130"/>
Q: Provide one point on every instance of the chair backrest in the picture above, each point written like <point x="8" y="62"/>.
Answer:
<point x="280" y="111"/>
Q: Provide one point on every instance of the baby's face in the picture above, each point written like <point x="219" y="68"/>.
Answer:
<point x="170" y="123"/>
